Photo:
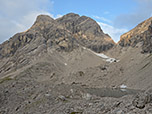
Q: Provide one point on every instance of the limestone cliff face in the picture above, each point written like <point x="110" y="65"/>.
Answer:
<point x="142" y="33"/>
<point x="63" y="34"/>
<point x="86" y="32"/>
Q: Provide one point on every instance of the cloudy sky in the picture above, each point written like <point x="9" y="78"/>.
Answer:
<point x="114" y="16"/>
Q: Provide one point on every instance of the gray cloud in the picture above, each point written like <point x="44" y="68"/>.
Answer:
<point x="130" y="20"/>
<point x="19" y="15"/>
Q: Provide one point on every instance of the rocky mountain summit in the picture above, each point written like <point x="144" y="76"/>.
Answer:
<point x="69" y="66"/>
<point x="140" y="35"/>
<point x="64" y="33"/>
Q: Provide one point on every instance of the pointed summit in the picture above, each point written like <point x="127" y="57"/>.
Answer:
<point x="43" y="18"/>
<point x="42" y="21"/>
<point x="63" y="34"/>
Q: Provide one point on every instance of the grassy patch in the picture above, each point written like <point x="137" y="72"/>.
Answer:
<point x="5" y="79"/>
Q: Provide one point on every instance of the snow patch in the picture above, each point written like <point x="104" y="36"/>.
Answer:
<point x="84" y="47"/>
<point x="105" y="57"/>
<point x="123" y="86"/>
<point x="108" y="59"/>
<point x="111" y="60"/>
<point x="102" y="55"/>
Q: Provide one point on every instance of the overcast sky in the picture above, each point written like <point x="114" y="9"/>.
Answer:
<point x="114" y="16"/>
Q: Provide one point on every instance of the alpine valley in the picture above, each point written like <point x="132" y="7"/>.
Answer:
<point x="69" y="65"/>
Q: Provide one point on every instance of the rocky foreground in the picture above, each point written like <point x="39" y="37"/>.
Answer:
<point x="24" y="96"/>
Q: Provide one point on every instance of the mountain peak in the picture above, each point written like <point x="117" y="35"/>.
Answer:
<point x="43" y="18"/>
<point x="71" y="15"/>
<point x="63" y="34"/>
<point x="140" y="34"/>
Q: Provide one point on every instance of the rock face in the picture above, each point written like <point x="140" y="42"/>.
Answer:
<point x="140" y="34"/>
<point x="65" y="33"/>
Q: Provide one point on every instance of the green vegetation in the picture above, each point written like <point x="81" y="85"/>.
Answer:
<point x="5" y="79"/>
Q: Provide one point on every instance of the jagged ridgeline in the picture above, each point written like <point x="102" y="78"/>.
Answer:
<point x="141" y="35"/>
<point x="63" y="34"/>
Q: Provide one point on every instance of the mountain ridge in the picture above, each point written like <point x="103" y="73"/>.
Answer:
<point x="140" y="34"/>
<point x="78" y="29"/>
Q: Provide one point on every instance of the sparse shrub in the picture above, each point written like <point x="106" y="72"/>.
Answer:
<point x="81" y="73"/>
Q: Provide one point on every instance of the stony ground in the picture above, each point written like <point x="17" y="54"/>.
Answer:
<point x="21" y="96"/>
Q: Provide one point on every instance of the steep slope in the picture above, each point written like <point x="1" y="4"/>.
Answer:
<point x="141" y="34"/>
<point x="64" y="33"/>
<point x="87" y="32"/>
<point x="134" y="52"/>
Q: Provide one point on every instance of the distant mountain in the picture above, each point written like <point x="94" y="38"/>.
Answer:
<point x="65" y="33"/>
<point x="141" y="34"/>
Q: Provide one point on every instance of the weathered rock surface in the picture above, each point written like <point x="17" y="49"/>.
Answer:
<point x="65" y="33"/>
<point x="29" y="96"/>
<point x="140" y="34"/>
